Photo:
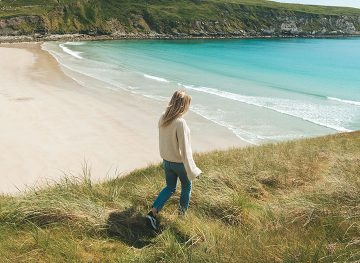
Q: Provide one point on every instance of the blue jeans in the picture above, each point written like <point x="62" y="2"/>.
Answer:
<point x="172" y="172"/>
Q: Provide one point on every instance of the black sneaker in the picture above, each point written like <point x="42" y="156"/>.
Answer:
<point x="181" y="211"/>
<point x="152" y="220"/>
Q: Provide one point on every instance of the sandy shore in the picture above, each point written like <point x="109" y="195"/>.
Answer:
<point x="51" y="125"/>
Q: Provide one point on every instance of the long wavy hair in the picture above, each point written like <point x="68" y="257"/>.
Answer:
<point x="178" y="106"/>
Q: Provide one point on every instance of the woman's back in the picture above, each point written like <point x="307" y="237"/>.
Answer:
<point x="168" y="140"/>
<point x="175" y="145"/>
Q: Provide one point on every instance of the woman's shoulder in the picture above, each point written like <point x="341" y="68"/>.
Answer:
<point x="181" y="122"/>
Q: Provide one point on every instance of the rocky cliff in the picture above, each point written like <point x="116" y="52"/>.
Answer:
<point x="198" y="19"/>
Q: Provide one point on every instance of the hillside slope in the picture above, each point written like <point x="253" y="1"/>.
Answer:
<point x="295" y="201"/>
<point x="180" y="18"/>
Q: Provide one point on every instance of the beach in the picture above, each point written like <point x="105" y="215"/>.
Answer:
<point x="52" y="125"/>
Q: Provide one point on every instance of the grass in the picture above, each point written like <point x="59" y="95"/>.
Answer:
<point x="141" y="16"/>
<point x="311" y="9"/>
<point x="296" y="201"/>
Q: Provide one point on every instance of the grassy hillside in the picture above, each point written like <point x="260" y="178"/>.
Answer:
<point x="296" y="201"/>
<point x="24" y="7"/>
<point x="174" y="17"/>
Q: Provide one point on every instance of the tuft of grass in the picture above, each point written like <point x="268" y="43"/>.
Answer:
<point x="297" y="201"/>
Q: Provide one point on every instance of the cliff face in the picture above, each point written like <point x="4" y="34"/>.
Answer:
<point x="294" y="25"/>
<point x="330" y="25"/>
<point x="216" y="20"/>
<point x="20" y="25"/>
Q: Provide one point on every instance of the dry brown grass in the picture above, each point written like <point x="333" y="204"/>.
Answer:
<point x="297" y="201"/>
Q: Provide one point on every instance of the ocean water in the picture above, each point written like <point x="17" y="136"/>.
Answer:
<point x="263" y="90"/>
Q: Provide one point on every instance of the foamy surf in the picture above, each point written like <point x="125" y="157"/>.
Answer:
<point x="293" y="108"/>
<point x="351" y="102"/>
<point x="155" y="78"/>
<point x="248" y="137"/>
<point x="71" y="52"/>
<point x="71" y="43"/>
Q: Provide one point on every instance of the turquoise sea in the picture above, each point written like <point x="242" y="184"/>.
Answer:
<point x="260" y="89"/>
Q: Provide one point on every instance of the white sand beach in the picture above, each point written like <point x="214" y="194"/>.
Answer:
<point x="51" y="125"/>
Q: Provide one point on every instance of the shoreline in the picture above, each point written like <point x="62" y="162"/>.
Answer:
<point x="52" y="124"/>
<point x="86" y="37"/>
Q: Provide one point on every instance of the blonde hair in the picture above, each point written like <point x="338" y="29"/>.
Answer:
<point x="178" y="106"/>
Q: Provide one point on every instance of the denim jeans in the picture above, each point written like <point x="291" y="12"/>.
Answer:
<point x="173" y="171"/>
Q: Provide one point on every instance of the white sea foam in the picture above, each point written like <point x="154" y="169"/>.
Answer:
<point x="133" y="88"/>
<point x="249" y="137"/>
<point x="71" y="52"/>
<point x="138" y="91"/>
<point x="357" y="103"/>
<point x="74" y="43"/>
<point x="246" y="136"/>
<point x="326" y="116"/>
<point x="155" y="78"/>
<point x="77" y="68"/>
<point x="155" y="97"/>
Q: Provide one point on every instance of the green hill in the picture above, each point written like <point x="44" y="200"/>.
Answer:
<point x="296" y="201"/>
<point x="177" y="18"/>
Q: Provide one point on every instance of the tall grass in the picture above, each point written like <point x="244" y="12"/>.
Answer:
<point x="297" y="201"/>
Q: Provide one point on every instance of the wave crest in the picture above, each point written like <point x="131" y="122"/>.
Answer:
<point x="351" y="102"/>
<point x="73" y="43"/>
<point x="71" y="52"/>
<point x="155" y="78"/>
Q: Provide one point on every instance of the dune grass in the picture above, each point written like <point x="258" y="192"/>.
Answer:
<point x="296" y="201"/>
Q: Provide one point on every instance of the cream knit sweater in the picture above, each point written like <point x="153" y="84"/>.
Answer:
<point x="175" y="145"/>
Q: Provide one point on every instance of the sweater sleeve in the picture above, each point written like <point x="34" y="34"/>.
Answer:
<point x="183" y="135"/>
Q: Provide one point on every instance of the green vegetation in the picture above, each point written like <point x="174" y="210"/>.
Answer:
<point x="191" y="17"/>
<point x="311" y="9"/>
<point x="296" y="201"/>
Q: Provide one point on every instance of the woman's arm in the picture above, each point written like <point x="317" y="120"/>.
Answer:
<point x="183" y="135"/>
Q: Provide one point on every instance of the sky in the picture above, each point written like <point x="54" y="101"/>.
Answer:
<point x="349" y="3"/>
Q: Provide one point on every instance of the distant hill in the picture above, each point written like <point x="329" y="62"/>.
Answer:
<point x="296" y="201"/>
<point x="177" y="18"/>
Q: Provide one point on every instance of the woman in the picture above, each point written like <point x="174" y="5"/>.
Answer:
<point x="175" y="149"/>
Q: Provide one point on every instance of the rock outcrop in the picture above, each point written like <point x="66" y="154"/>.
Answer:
<point x="231" y="20"/>
<point x="22" y="25"/>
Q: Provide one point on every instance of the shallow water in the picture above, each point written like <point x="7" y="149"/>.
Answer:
<point x="261" y="89"/>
